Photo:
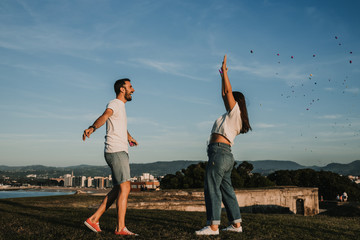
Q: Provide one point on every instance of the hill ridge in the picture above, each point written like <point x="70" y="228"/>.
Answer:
<point x="160" y="168"/>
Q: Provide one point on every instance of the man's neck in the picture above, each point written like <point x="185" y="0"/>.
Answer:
<point x="121" y="98"/>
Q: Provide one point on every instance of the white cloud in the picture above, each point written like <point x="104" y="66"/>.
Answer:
<point x="167" y="67"/>
<point x="142" y="121"/>
<point x="336" y="116"/>
<point x="264" y="125"/>
<point x="329" y="89"/>
<point x="287" y="73"/>
<point x="205" y="124"/>
<point x="352" y="90"/>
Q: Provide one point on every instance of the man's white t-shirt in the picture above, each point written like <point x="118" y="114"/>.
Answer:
<point x="116" y="138"/>
<point x="229" y="124"/>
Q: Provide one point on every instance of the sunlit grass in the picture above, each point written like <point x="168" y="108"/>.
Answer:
<point x="61" y="217"/>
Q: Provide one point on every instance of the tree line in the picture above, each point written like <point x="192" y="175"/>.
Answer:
<point x="329" y="184"/>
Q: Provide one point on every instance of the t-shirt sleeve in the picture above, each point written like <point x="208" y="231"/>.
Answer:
<point x="235" y="110"/>
<point x="112" y="106"/>
<point x="234" y="119"/>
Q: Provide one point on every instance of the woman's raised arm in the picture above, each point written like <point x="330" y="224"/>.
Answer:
<point x="226" y="90"/>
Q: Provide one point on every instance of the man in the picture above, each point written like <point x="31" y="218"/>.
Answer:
<point x="116" y="155"/>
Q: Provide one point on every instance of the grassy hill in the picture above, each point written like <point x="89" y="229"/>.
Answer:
<point x="62" y="217"/>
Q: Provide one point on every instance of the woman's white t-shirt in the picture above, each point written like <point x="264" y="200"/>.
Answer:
<point x="229" y="124"/>
<point x="116" y="138"/>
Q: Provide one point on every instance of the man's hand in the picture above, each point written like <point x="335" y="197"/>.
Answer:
<point x="132" y="142"/>
<point x="87" y="133"/>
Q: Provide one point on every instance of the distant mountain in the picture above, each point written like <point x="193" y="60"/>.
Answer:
<point x="268" y="166"/>
<point x="160" y="168"/>
<point x="264" y="167"/>
<point x="352" y="168"/>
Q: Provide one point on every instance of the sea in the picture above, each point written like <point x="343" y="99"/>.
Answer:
<point x="32" y="193"/>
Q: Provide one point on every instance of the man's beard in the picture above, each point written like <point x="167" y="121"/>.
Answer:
<point x="128" y="96"/>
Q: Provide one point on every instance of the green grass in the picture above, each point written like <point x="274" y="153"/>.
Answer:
<point x="61" y="217"/>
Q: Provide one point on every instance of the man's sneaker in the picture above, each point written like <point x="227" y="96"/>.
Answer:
<point x="207" y="231"/>
<point x="125" y="231"/>
<point x="231" y="228"/>
<point x="93" y="226"/>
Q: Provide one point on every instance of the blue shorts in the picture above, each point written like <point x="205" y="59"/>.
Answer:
<point x="120" y="168"/>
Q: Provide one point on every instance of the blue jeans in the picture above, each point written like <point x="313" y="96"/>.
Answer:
<point x="218" y="185"/>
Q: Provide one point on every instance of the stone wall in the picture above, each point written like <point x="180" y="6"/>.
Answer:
<point x="303" y="201"/>
<point x="296" y="200"/>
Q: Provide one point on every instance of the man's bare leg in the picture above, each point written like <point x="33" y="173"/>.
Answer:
<point x="106" y="203"/>
<point x="121" y="204"/>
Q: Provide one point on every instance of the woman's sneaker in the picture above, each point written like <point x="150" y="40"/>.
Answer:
<point x="207" y="231"/>
<point x="125" y="231"/>
<point x="95" y="227"/>
<point x="231" y="228"/>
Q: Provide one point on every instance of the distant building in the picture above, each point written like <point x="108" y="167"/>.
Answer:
<point x="68" y="180"/>
<point x="143" y="186"/>
<point x="31" y="176"/>
<point x="99" y="182"/>
<point x="80" y="181"/>
<point x="108" y="182"/>
<point x="57" y="179"/>
<point x="145" y="177"/>
<point x="355" y="179"/>
<point x="89" y="182"/>
<point x="144" y="182"/>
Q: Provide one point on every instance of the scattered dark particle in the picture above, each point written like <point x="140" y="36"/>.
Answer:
<point x="350" y="52"/>
<point x="336" y="37"/>
<point x="313" y="55"/>
<point x="251" y="51"/>
<point x="278" y="54"/>
<point x="315" y="83"/>
<point x="350" y="61"/>
<point x="339" y="44"/>
<point x="292" y="57"/>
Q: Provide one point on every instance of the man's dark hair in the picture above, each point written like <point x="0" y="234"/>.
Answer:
<point x="118" y="84"/>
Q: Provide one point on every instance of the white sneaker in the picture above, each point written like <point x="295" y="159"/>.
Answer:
<point x="207" y="231"/>
<point x="231" y="228"/>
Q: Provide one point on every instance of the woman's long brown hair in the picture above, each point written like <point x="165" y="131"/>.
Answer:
<point x="240" y="99"/>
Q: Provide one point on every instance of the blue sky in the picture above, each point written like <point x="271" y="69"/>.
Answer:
<point x="59" y="60"/>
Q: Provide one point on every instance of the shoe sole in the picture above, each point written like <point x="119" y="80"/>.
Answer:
<point x="90" y="227"/>
<point x="205" y="234"/>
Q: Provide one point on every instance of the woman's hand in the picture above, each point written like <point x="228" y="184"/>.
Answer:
<point x="223" y="67"/>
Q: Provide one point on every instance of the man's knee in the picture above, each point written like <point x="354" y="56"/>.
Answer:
<point x="125" y="186"/>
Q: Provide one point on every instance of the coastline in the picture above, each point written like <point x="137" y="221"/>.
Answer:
<point x="92" y="191"/>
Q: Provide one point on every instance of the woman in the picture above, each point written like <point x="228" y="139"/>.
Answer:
<point x="218" y="185"/>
